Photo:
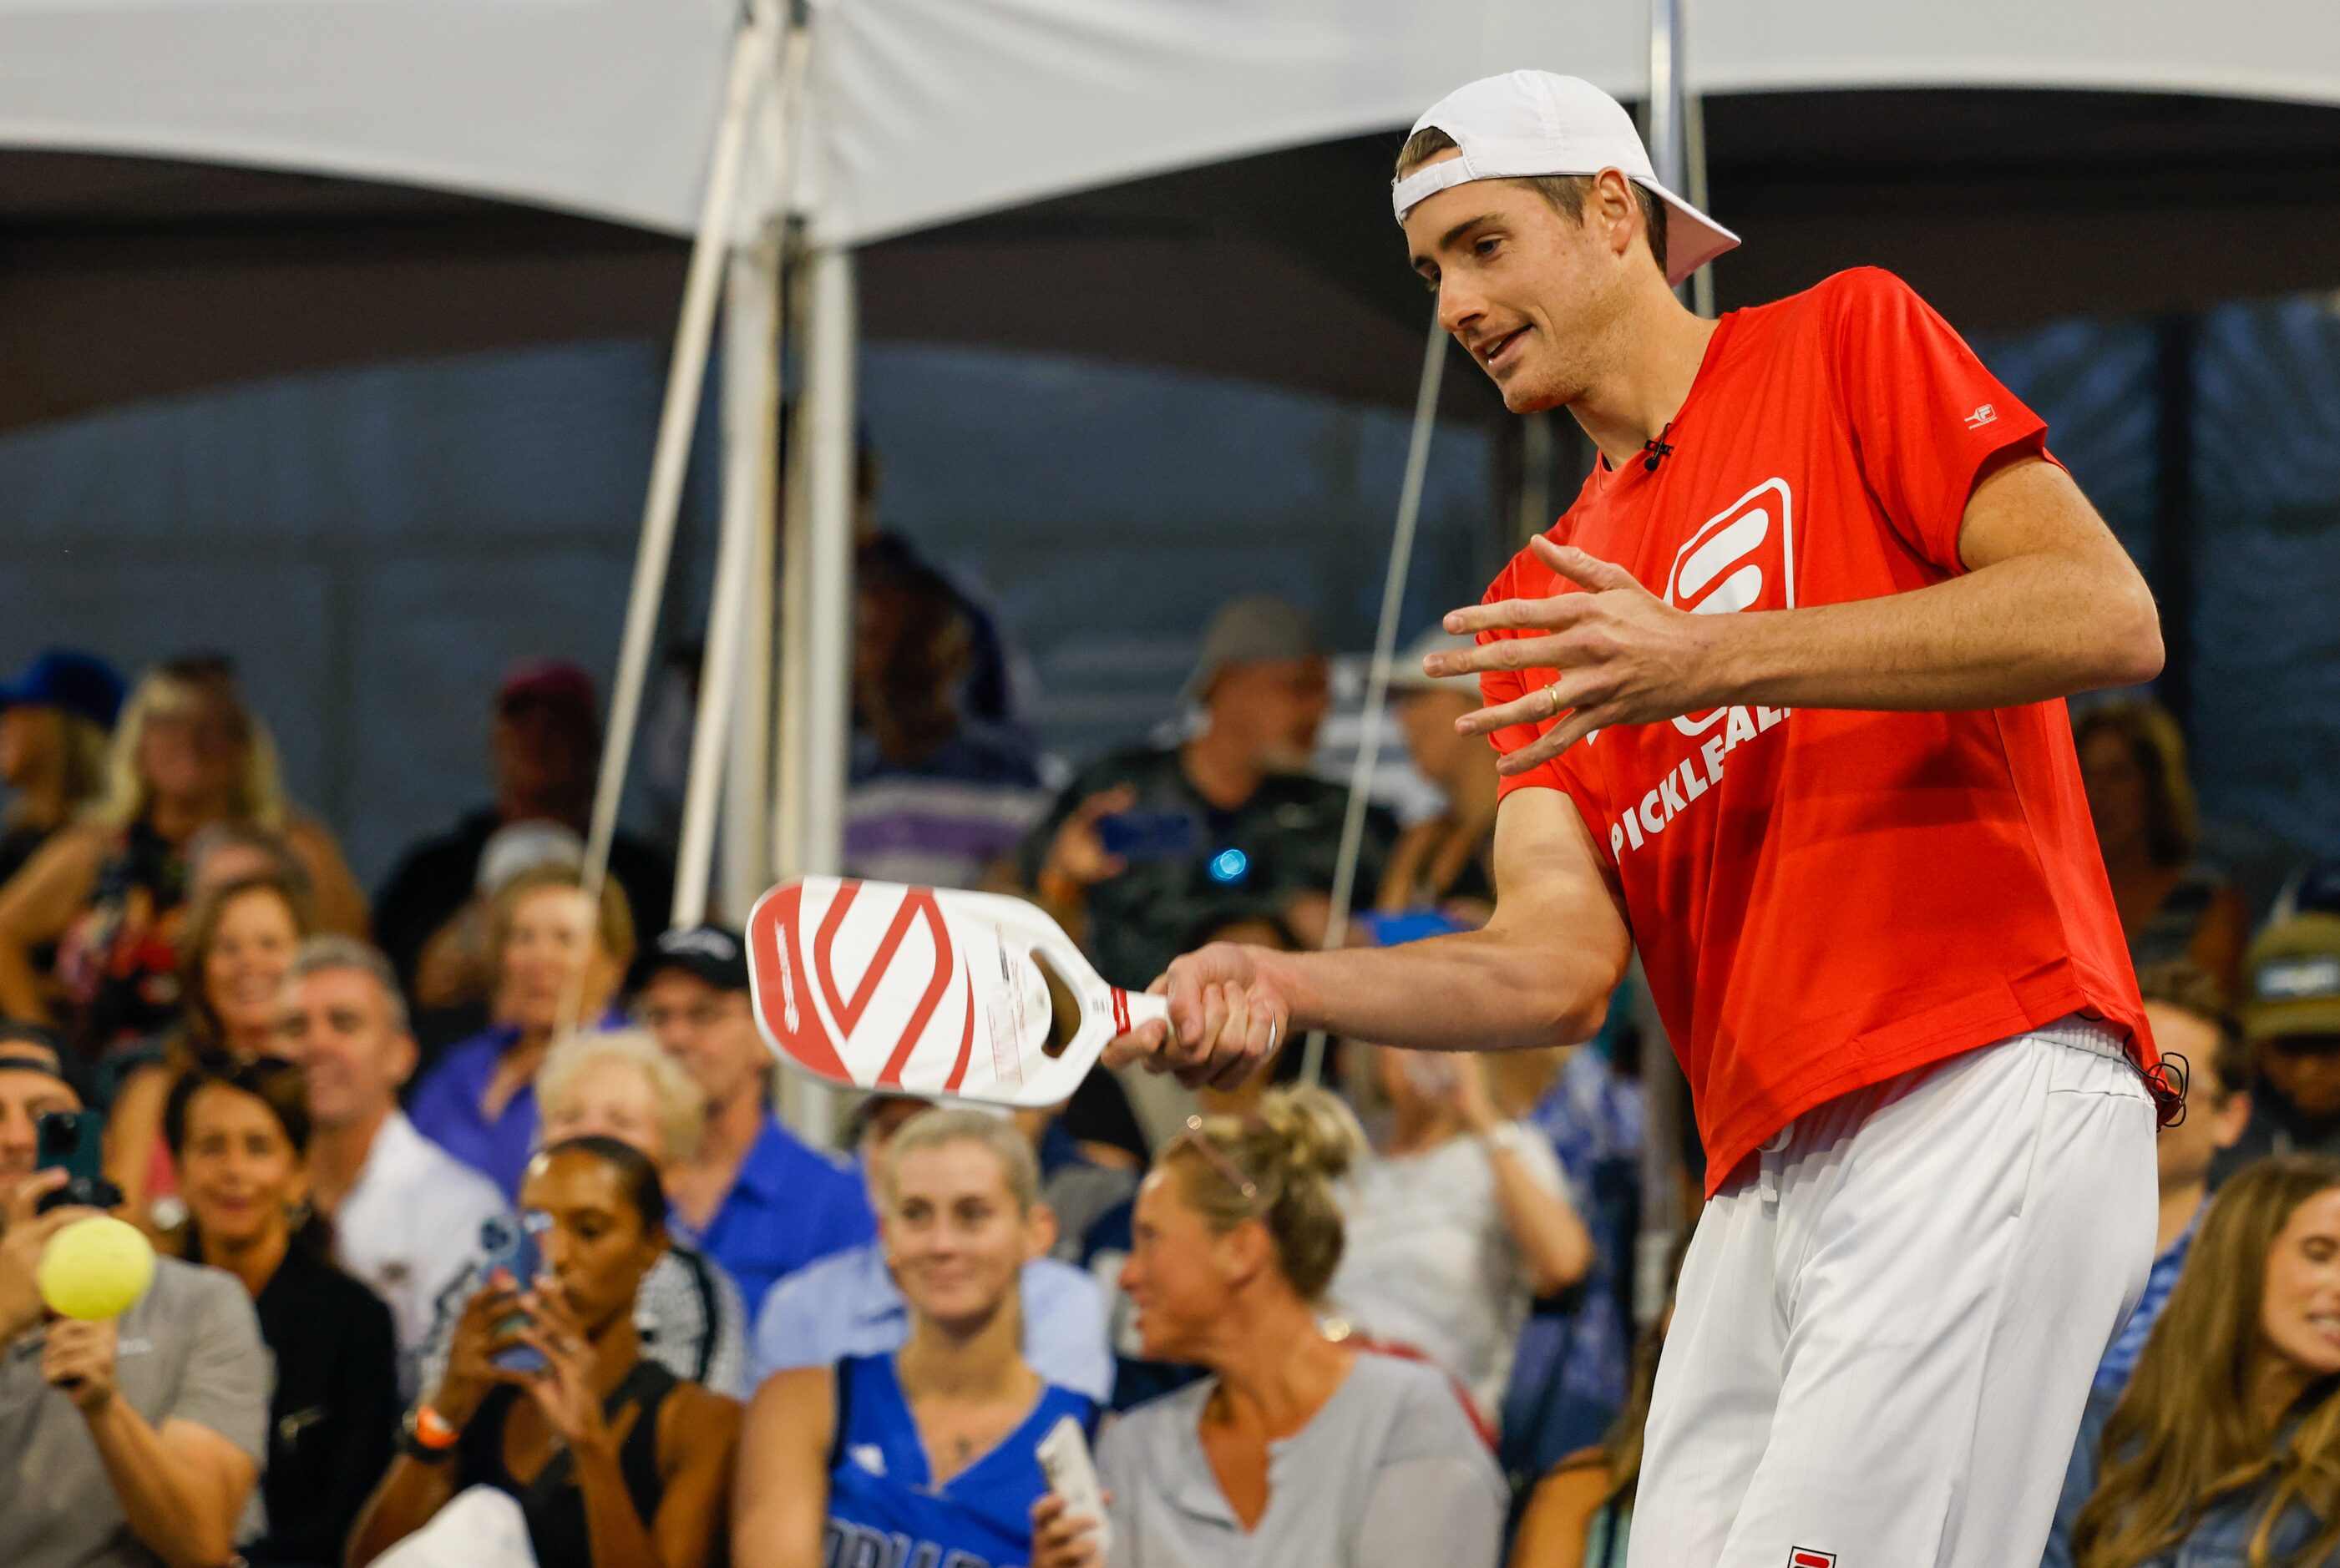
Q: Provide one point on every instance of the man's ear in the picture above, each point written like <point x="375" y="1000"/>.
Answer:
<point x="403" y="1058"/>
<point x="1612" y="201"/>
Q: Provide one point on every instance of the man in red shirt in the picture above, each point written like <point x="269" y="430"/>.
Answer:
<point x="1778" y="701"/>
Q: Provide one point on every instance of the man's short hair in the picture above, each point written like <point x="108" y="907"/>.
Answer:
<point x="1566" y="193"/>
<point x="321" y="953"/>
<point x="2189" y="989"/>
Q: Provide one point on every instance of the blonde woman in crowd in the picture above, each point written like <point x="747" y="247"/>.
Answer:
<point x="620" y="1084"/>
<point x="1296" y="1448"/>
<point x="926" y="1454"/>
<point x="108" y="891"/>
<point x="2224" y="1452"/>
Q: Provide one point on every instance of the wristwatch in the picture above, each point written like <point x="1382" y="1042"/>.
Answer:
<point x="425" y="1436"/>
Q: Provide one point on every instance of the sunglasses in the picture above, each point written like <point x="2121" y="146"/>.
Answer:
<point x="1193" y="1137"/>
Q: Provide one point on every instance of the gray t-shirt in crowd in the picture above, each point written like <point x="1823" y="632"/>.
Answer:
<point x="189" y="1350"/>
<point x="1390" y="1474"/>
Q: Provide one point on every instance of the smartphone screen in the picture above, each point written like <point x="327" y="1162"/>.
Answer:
<point x="1138" y="836"/>
<point x="73" y="1141"/>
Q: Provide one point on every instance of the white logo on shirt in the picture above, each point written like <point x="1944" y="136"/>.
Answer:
<point x="1982" y="417"/>
<point x="1721" y="568"/>
<point x="870" y="1456"/>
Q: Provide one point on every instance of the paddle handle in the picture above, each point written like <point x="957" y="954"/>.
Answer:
<point x="1143" y="1006"/>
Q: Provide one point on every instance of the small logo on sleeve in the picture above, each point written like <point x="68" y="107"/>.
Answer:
<point x="1982" y="417"/>
<point x="1804" y="1557"/>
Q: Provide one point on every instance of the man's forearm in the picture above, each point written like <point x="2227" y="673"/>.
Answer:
<point x="171" y="1506"/>
<point x="1478" y="991"/>
<point x="2022" y="630"/>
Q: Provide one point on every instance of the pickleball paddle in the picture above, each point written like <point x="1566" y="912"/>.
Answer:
<point x="929" y="992"/>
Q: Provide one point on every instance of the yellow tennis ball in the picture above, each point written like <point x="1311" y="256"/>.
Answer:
<point x="96" y="1268"/>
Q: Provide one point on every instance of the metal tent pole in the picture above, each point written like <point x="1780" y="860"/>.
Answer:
<point x="818" y="622"/>
<point x="750" y="374"/>
<point x="752" y="58"/>
<point x="1369" y="742"/>
<point x="1663" y="1086"/>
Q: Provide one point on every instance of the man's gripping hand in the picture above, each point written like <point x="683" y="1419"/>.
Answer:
<point x="1231" y="1011"/>
<point x="1623" y="656"/>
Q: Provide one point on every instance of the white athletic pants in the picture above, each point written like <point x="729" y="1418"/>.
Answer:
<point x="1883" y="1338"/>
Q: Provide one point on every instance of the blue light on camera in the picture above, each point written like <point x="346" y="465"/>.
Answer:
<point x="1230" y="865"/>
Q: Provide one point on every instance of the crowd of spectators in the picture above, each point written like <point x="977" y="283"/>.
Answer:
<point x="443" y="1276"/>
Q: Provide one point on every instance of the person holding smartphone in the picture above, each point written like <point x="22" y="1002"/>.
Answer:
<point x="129" y="1441"/>
<point x="1147" y="841"/>
<point x="548" y="1398"/>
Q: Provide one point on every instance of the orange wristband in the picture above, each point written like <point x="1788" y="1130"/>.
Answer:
<point x="431" y="1429"/>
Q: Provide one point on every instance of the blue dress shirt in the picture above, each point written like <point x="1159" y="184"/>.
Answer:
<point x="789" y="1206"/>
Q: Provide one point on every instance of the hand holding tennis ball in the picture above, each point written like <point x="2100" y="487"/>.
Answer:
<point x="96" y="1268"/>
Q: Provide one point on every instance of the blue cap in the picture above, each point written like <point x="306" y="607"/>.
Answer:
<point x="70" y="681"/>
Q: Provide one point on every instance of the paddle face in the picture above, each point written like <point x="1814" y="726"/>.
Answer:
<point x="928" y="991"/>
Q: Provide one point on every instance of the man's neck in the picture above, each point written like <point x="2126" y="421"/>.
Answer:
<point x="1657" y="347"/>
<point x="2179" y="1204"/>
<point x="732" y="1129"/>
<point x="337" y="1157"/>
<point x="1221" y="768"/>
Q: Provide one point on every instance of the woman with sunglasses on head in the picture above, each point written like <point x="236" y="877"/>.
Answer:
<point x="240" y="1133"/>
<point x="928" y="1455"/>
<point x="1296" y="1448"/>
<point x="616" y="1462"/>
<point x="2224" y="1451"/>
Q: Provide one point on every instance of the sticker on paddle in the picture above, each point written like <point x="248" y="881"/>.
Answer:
<point x="929" y="992"/>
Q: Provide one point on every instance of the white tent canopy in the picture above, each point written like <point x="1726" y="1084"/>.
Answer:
<point x="937" y="109"/>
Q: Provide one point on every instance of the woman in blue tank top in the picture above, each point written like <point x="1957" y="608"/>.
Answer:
<point x="925" y="1458"/>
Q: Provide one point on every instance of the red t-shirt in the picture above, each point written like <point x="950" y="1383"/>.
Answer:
<point x="1824" y="899"/>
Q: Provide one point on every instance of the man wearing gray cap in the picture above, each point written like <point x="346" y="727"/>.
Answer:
<point x="1779" y="706"/>
<point x="1148" y="843"/>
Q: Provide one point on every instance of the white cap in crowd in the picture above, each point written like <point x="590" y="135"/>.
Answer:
<point x="1524" y="123"/>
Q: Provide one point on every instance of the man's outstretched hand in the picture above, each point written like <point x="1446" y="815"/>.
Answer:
<point x="1230" y="1013"/>
<point x="1623" y="656"/>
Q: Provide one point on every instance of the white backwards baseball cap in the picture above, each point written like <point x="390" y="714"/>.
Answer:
<point x="1528" y="122"/>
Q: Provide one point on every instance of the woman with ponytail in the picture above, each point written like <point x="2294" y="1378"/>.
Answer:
<point x="1296" y="1447"/>
<point x="2224" y="1452"/>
